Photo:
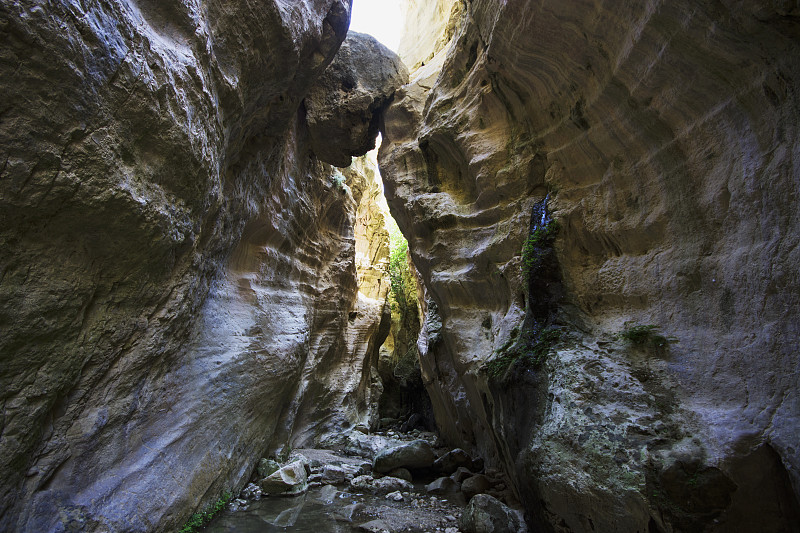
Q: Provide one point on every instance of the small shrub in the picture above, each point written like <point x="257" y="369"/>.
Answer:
<point x="339" y="181"/>
<point x="402" y="283"/>
<point x="198" y="520"/>
<point x="646" y="335"/>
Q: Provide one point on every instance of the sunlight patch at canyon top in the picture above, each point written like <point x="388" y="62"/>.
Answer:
<point x="383" y="19"/>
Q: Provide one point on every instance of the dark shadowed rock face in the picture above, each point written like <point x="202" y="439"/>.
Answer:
<point x="666" y="135"/>
<point x="177" y="270"/>
<point x="343" y="107"/>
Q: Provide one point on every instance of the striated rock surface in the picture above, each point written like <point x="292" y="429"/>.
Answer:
<point x="665" y="135"/>
<point x="178" y="271"/>
<point x="429" y="28"/>
<point x="343" y="108"/>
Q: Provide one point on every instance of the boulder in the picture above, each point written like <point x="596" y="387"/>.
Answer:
<point x="413" y="455"/>
<point x="391" y="484"/>
<point x="442" y="485"/>
<point x="333" y="474"/>
<point x="413" y="421"/>
<point x="343" y="108"/>
<point x="477" y="484"/>
<point x="461" y="474"/>
<point x="452" y="460"/>
<point x="288" y="480"/>
<point x="485" y="514"/>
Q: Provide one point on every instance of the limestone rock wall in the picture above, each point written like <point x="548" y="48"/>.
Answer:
<point x="343" y="109"/>
<point x="665" y="134"/>
<point x="178" y="271"/>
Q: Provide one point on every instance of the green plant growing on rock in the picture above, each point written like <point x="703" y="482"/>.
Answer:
<point x="646" y="335"/>
<point x="528" y="350"/>
<point x="536" y="247"/>
<point x="400" y="276"/>
<point x="198" y="520"/>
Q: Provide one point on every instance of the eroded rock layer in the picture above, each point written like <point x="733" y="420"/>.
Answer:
<point x="178" y="274"/>
<point x="664" y="136"/>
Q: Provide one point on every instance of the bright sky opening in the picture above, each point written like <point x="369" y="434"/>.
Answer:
<point x="380" y="18"/>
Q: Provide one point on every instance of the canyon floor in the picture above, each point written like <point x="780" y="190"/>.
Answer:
<point x="344" y="490"/>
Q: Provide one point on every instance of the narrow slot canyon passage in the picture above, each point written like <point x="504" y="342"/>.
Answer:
<point x="508" y="266"/>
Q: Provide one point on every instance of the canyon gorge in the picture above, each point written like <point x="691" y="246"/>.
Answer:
<point x="599" y="297"/>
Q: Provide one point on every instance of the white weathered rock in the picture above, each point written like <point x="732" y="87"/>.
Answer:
<point x="289" y="480"/>
<point x="382" y="485"/>
<point x="395" y="496"/>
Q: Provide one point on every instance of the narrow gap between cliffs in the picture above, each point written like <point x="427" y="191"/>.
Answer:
<point x="390" y="472"/>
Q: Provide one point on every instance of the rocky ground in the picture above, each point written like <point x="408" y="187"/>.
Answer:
<point x="386" y="481"/>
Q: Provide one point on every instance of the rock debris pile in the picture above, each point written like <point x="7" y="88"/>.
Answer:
<point x="395" y="482"/>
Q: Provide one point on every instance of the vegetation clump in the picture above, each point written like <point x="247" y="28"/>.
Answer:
<point x="528" y="350"/>
<point x="403" y="285"/>
<point x="339" y="181"/>
<point x="536" y="247"/>
<point x="646" y="335"/>
<point x="198" y="520"/>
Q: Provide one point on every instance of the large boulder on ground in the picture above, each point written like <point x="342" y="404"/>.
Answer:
<point x="442" y="485"/>
<point x="477" y="484"/>
<point x="452" y="460"/>
<point x="485" y="514"/>
<point x="289" y="480"/>
<point x="413" y="455"/>
<point x="343" y="108"/>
